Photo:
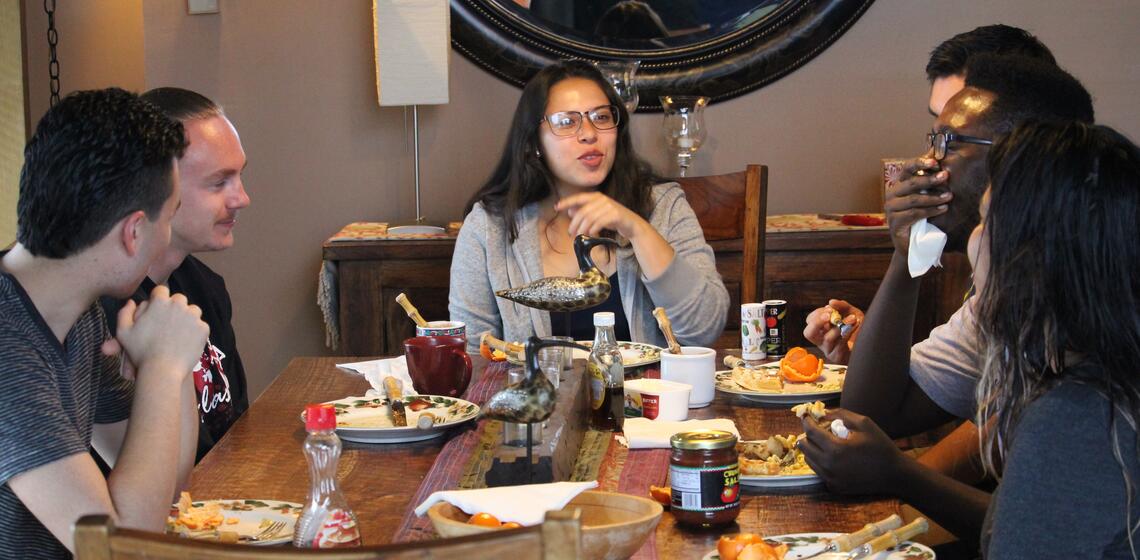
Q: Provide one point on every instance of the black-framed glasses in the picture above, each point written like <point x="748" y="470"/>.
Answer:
<point x="941" y="140"/>
<point x="568" y="123"/>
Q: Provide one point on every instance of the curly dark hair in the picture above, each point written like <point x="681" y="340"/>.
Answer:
<point x="521" y="177"/>
<point x="1027" y="89"/>
<point x="182" y="104"/>
<point x="950" y="57"/>
<point x="94" y="158"/>
<point x="1063" y="224"/>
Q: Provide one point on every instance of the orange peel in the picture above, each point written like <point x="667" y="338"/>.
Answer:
<point x="800" y="366"/>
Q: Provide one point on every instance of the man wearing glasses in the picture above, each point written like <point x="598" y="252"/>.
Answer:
<point x="908" y="390"/>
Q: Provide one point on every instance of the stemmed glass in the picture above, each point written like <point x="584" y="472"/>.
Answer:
<point x="684" y="126"/>
<point x="621" y="75"/>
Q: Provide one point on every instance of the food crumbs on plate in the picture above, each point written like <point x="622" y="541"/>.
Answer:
<point x="232" y="520"/>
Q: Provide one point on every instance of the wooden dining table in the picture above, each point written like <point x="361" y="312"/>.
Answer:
<point x="261" y="457"/>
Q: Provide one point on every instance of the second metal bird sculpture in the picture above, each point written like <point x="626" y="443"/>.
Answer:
<point x="562" y="293"/>
<point x="532" y="399"/>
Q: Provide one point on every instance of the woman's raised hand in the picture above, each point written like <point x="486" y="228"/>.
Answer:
<point x="592" y="212"/>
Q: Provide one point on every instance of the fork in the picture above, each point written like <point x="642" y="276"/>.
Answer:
<point x="269" y="532"/>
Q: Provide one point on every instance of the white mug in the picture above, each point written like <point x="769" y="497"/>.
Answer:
<point x="695" y="366"/>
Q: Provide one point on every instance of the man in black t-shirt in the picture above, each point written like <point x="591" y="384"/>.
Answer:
<point x="212" y="195"/>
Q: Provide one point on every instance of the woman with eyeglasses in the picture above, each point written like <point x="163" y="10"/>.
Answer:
<point x="1057" y="267"/>
<point x="569" y="168"/>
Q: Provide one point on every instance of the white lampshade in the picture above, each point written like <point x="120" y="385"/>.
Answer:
<point x="413" y="40"/>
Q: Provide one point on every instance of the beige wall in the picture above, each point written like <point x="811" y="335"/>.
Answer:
<point x="296" y="77"/>
<point x="11" y="117"/>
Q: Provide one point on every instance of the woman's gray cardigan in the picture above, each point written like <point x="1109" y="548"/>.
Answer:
<point x="690" y="289"/>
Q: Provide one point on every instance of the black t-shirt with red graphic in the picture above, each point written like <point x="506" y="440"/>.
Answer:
<point x="219" y="377"/>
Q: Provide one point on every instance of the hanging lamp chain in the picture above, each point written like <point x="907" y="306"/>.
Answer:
<point x="53" y="62"/>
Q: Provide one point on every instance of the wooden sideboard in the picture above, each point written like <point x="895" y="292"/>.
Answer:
<point x="804" y="268"/>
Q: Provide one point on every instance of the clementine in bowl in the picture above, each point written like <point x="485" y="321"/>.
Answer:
<point x="800" y="366"/>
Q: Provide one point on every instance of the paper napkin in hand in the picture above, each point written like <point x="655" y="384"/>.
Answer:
<point x="376" y="370"/>
<point x="525" y="505"/>
<point x="643" y="433"/>
<point x="926" y="244"/>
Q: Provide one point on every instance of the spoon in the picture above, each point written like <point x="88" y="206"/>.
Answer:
<point x="667" y="328"/>
<point x="413" y="313"/>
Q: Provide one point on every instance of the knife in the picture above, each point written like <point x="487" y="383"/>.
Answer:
<point x="395" y="391"/>
<point x="890" y="538"/>
<point x="848" y="541"/>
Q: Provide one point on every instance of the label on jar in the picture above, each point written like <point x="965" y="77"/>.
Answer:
<point x="597" y="384"/>
<point x="705" y="488"/>
<point x="650" y="406"/>
<point x="339" y="530"/>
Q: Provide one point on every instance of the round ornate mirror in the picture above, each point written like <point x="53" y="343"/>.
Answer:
<point x="716" y="48"/>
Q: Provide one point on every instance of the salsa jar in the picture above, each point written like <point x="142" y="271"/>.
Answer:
<point x="704" y="477"/>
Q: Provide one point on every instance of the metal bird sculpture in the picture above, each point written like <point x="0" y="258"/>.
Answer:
<point x="532" y="399"/>
<point x="561" y="293"/>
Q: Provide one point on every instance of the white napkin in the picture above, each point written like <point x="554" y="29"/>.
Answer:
<point x="643" y="433"/>
<point x="525" y="505"/>
<point x="926" y="244"/>
<point x="376" y="370"/>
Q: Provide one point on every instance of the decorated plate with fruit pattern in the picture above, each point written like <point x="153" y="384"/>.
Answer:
<point x="369" y="419"/>
<point x="633" y="354"/>
<point x="256" y="522"/>
<point x="828" y="386"/>
<point x="804" y="545"/>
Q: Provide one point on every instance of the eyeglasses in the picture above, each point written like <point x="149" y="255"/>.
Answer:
<point x="940" y="140"/>
<point x="568" y="123"/>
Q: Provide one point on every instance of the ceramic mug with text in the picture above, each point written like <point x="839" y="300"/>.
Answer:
<point x="438" y="365"/>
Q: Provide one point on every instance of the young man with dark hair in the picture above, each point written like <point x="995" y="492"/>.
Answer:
<point x="946" y="69"/>
<point x="97" y="193"/>
<point x="909" y="390"/>
<point x="212" y="194"/>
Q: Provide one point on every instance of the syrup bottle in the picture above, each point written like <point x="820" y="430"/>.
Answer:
<point x="326" y="521"/>
<point x="606" y="377"/>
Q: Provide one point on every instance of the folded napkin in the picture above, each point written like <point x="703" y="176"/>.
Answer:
<point x="525" y="505"/>
<point x="926" y="244"/>
<point x="376" y="370"/>
<point x="643" y="433"/>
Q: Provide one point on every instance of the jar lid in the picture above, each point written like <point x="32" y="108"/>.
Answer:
<point x="703" y="439"/>
<point x="320" y="417"/>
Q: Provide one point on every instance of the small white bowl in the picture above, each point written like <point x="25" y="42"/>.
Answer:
<point x="657" y="399"/>
<point x="695" y="366"/>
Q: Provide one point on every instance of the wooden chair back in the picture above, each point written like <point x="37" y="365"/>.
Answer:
<point x="731" y="209"/>
<point x="558" y="538"/>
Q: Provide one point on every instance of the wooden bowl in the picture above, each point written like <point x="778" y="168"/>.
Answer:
<point x="613" y="525"/>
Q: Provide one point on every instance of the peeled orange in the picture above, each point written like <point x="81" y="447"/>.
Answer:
<point x="800" y="366"/>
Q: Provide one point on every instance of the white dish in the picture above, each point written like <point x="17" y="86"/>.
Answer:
<point x="780" y="481"/>
<point x="367" y="419"/>
<point x="802" y="545"/>
<point x="633" y="354"/>
<point x="251" y="516"/>
<point x="793" y="393"/>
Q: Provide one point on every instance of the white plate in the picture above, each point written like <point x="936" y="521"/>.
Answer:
<point x="633" y="354"/>
<point x="367" y="420"/>
<point x="793" y="393"/>
<point x="780" y="481"/>
<point x="251" y="516"/>
<point x="801" y="545"/>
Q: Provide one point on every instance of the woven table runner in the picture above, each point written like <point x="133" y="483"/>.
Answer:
<point x="465" y="460"/>
<point x="454" y="460"/>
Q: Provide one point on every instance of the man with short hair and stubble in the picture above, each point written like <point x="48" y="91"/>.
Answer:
<point x="97" y="193"/>
<point x="212" y="195"/>
<point x="909" y="390"/>
<point x="946" y="72"/>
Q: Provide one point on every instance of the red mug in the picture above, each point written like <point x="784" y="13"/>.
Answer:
<point x="438" y="365"/>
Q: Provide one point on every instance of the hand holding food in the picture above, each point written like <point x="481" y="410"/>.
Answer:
<point x="833" y="329"/>
<point x="864" y="463"/>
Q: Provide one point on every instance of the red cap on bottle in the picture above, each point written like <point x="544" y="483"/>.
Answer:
<point x="320" y="417"/>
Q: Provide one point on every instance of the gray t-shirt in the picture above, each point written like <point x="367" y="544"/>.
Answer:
<point x="947" y="365"/>
<point x="53" y="395"/>
<point x="1063" y="493"/>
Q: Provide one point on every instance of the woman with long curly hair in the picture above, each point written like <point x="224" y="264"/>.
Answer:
<point x="1057" y="266"/>
<point x="569" y="168"/>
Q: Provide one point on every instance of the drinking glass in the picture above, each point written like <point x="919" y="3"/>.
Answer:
<point x="684" y="126"/>
<point x="550" y="363"/>
<point x="621" y="74"/>
<point x="514" y="435"/>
